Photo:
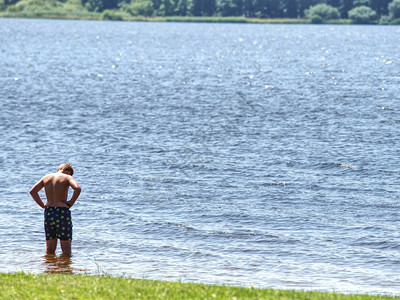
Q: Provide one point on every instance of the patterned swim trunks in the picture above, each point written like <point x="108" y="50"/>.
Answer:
<point x="58" y="223"/>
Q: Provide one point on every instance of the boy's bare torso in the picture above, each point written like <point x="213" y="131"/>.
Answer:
<point x="56" y="188"/>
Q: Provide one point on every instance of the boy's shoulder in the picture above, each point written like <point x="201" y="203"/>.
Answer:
<point x="56" y="177"/>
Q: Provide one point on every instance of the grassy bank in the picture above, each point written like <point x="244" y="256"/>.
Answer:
<point x="51" y="15"/>
<point x="29" y="286"/>
<point x="120" y="16"/>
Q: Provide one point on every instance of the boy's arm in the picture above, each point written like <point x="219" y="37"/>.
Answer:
<point x="77" y="190"/>
<point x="35" y="193"/>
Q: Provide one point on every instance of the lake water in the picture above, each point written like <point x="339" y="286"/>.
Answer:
<point x="264" y="155"/>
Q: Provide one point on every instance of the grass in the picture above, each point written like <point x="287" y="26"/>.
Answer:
<point x="120" y="16"/>
<point x="29" y="286"/>
<point x="51" y="15"/>
<point x="59" y="13"/>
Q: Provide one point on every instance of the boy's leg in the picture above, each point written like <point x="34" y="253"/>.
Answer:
<point x="66" y="247"/>
<point x="51" y="246"/>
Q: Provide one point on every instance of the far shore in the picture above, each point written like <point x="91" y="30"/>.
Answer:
<point x="116" y="16"/>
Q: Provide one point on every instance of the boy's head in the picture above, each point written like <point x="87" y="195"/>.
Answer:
<point x="66" y="167"/>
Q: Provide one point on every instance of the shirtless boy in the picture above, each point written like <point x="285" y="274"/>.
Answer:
<point x="57" y="216"/>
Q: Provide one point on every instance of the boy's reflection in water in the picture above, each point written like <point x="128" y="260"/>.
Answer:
<point x="57" y="264"/>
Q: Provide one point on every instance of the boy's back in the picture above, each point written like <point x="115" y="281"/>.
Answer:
<point x="56" y="187"/>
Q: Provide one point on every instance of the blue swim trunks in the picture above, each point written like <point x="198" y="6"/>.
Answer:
<point x="58" y="223"/>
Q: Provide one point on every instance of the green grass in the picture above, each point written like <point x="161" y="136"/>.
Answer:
<point x="51" y="15"/>
<point x="60" y="13"/>
<point x="233" y="20"/>
<point x="30" y="286"/>
<point x="121" y="16"/>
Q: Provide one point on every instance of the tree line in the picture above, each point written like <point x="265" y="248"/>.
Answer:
<point x="318" y="11"/>
<point x="240" y="8"/>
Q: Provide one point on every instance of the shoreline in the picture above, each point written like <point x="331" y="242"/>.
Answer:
<point x="41" y="286"/>
<point x="116" y="16"/>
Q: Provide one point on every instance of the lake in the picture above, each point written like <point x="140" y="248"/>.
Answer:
<point x="238" y="154"/>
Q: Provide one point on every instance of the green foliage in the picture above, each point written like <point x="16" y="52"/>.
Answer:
<point x="290" y="6"/>
<point x="357" y="3"/>
<point x="394" y="10"/>
<point x="380" y="6"/>
<point x="139" y="8"/>
<point x="112" y="15"/>
<point x="184" y="7"/>
<point x="13" y="8"/>
<point x="111" y="4"/>
<point x="204" y="7"/>
<point x="93" y="5"/>
<point x="25" y="286"/>
<point x="316" y="19"/>
<point x="74" y="6"/>
<point x="167" y="8"/>
<point x="35" y="6"/>
<point x="384" y="20"/>
<point x="345" y="6"/>
<point x="100" y="5"/>
<point x="321" y="13"/>
<point x="362" y="15"/>
<point x="229" y="8"/>
<point x="7" y="2"/>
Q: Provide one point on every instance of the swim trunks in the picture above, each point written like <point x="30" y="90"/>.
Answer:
<point x="58" y="223"/>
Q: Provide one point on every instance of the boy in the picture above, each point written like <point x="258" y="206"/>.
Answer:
<point x="57" y="216"/>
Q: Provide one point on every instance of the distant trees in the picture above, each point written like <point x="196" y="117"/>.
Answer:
<point x="345" y="6"/>
<point x="183" y="7"/>
<point x="394" y="9"/>
<point x="100" y="5"/>
<point x="93" y="5"/>
<point x="362" y="15"/>
<point x="139" y="8"/>
<point x="322" y="12"/>
<point x="204" y="7"/>
<point x="318" y="11"/>
<point x="8" y="2"/>
<point x="379" y="6"/>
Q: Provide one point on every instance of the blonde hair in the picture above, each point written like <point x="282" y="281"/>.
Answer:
<point x="66" y="167"/>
